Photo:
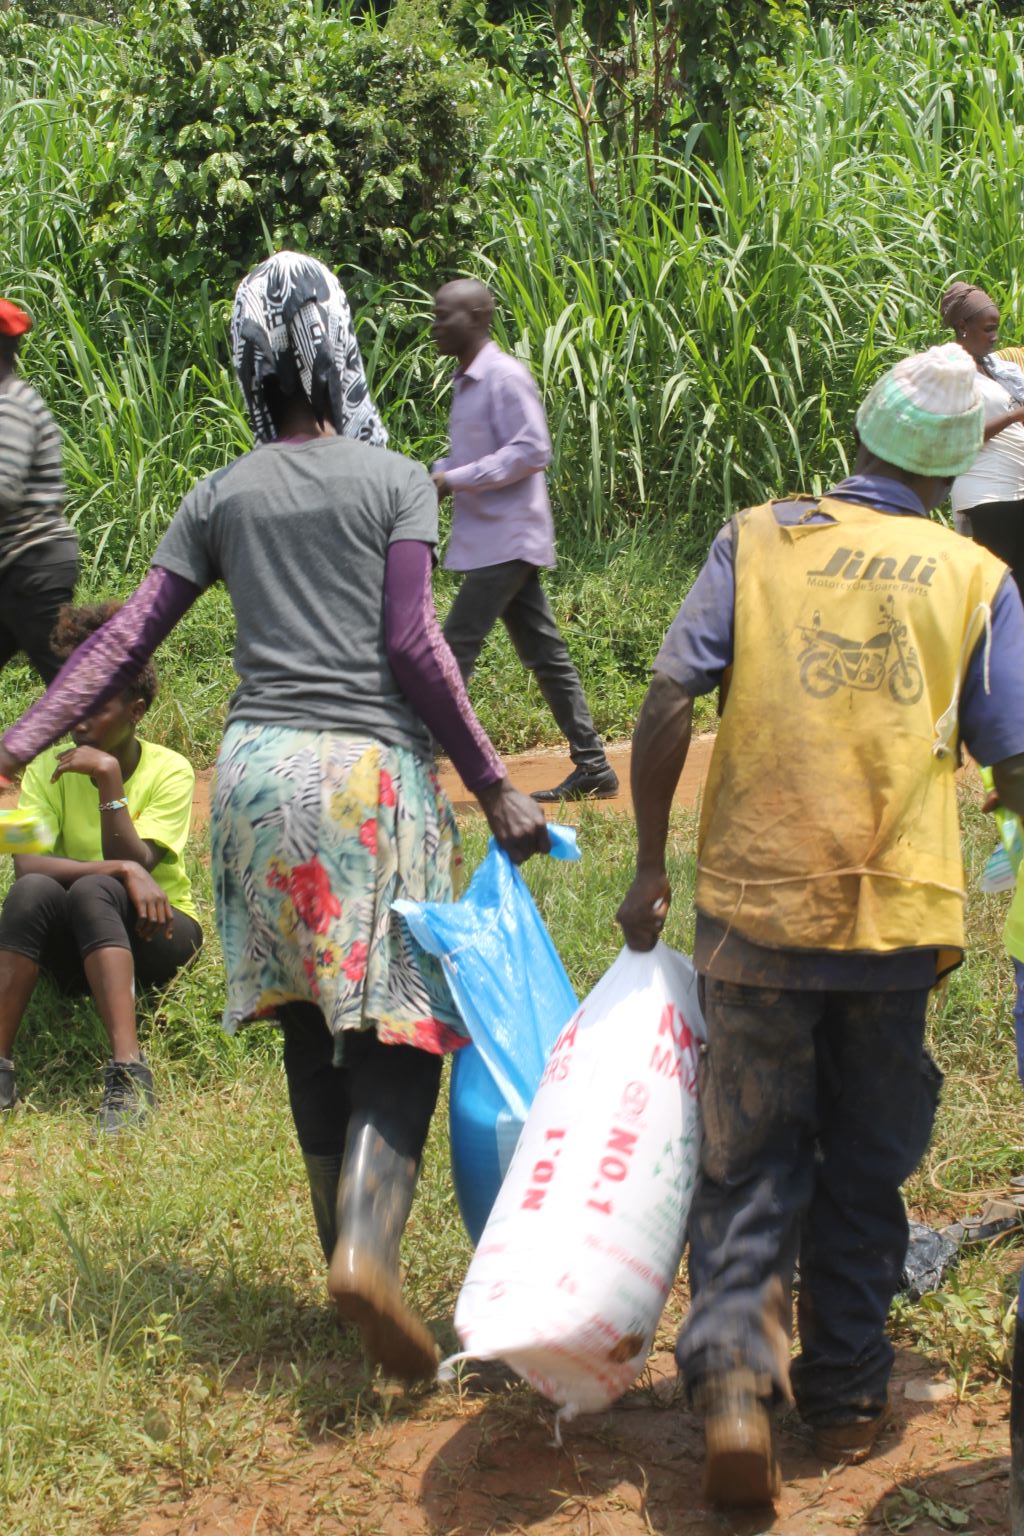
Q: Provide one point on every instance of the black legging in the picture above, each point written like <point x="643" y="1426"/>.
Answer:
<point x="57" y="926"/>
<point x="999" y="526"/>
<point x="399" y="1082"/>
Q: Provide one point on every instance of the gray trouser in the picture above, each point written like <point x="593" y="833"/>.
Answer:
<point x="512" y="592"/>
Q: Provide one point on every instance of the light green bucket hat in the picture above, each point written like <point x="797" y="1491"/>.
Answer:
<point x="926" y="415"/>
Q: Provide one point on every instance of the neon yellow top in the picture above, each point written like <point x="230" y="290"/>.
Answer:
<point x="159" y="795"/>
<point x="1013" y="933"/>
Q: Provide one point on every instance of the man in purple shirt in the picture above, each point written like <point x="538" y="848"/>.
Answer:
<point x="502" y="532"/>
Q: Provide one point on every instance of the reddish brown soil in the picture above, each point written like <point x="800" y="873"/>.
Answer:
<point x="529" y="771"/>
<point x="544" y="769"/>
<point x="486" y="1464"/>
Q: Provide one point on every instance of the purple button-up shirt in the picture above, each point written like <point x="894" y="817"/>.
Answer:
<point x="500" y="449"/>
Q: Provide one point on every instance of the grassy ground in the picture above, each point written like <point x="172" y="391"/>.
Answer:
<point x="162" y="1295"/>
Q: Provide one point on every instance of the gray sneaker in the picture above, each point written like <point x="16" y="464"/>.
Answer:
<point x="128" y="1096"/>
<point x="8" y="1085"/>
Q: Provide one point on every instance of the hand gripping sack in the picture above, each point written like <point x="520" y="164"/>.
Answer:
<point x="579" y="1254"/>
<point x="513" y="995"/>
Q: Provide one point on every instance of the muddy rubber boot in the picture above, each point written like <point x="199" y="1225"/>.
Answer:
<point x="740" y="1468"/>
<point x="323" y="1174"/>
<point x="374" y="1200"/>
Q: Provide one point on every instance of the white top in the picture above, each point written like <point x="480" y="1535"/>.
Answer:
<point x="997" y="474"/>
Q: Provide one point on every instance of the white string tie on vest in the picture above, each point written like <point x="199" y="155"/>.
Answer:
<point x="947" y="723"/>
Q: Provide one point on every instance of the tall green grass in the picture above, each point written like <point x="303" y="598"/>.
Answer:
<point x="702" y="334"/>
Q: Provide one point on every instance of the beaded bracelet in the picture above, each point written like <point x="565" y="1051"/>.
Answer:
<point x="113" y="805"/>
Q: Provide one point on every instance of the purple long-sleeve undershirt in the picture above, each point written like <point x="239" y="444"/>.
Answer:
<point x="423" y="666"/>
<point x="425" y="669"/>
<point x="105" y="664"/>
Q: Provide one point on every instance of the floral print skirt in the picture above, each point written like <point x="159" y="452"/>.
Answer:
<point x="314" y="835"/>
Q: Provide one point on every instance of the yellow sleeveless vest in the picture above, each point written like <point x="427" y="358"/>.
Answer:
<point x="829" y="819"/>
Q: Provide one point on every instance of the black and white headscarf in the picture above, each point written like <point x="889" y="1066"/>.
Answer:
<point x="291" y="322"/>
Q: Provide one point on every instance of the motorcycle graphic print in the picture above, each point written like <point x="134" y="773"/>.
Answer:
<point x="829" y="662"/>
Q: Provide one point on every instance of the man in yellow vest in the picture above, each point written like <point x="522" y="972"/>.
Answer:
<point x="855" y="643"/>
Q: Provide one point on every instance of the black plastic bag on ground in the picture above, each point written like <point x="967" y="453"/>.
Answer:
<point x="929" y="1255"/>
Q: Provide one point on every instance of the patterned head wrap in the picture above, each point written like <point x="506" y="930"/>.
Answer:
<point x="961" y="302"/>
<point x="291" y="322"/>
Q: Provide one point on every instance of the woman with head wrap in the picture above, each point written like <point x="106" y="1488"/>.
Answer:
<point x="326" y="808"/>
<point x="988" y="501"/>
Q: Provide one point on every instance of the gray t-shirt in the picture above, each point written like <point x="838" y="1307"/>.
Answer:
<point x="299" y="535"/>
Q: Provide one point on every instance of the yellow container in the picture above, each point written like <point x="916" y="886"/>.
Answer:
<point x="23" y="832"/>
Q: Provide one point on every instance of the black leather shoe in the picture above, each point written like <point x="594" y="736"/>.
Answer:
<point x="582" y="784"/>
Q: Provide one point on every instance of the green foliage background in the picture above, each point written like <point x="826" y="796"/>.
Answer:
<point x="702" y="326"/>
<point x="277" y="123"/>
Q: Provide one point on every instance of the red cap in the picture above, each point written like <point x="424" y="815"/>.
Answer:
<point x="13" y="321"/>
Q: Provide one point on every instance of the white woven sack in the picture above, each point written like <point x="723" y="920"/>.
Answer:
<point x="579" y="1254"/>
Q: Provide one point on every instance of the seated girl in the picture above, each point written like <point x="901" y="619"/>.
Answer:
<point x="112" y="905"/>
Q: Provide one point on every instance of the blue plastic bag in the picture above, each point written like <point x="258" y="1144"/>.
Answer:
<point x="512" y="992"/>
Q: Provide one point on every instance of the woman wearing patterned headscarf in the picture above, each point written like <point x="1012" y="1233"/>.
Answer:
<point x="291" y="334"/>
<point x="988" y="501"/>
<point x="326" y="808"/>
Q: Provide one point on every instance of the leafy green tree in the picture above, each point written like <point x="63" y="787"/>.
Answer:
<point x="275" y="123"/>
<point x="640" y="72"/>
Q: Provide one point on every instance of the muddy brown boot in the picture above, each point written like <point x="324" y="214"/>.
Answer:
<point x="374" y="1200"/>
<point x="740" y="1468"/>
<point x="323" y="1174"/>
<point x="850" y="1442"/>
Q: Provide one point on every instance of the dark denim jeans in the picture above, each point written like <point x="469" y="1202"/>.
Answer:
<point x="512" y="592"/>
<point x="1017" y="1422"/>
<point x="817" y="1106"/>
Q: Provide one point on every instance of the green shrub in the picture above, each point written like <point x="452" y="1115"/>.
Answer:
<point x="279" y="124"/>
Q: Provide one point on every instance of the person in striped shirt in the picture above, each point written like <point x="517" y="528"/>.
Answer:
<point x="38" y="547"/>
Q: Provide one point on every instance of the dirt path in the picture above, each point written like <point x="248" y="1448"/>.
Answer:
<point x="535" y="770"/>
<point x="543" y="769"/>
<point x="529" y="771"/>
<point x="485" y="1464"/>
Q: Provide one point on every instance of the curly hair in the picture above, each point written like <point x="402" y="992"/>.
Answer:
<point x="75" y="624"/>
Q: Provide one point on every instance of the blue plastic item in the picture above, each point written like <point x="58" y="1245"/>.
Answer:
<point x="482" y="1133"/>
<point x="514" y="997"/>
